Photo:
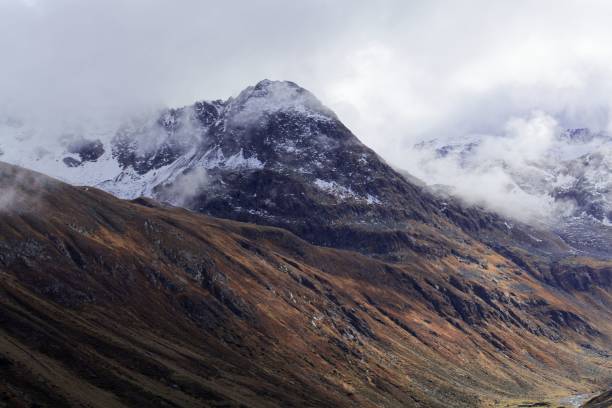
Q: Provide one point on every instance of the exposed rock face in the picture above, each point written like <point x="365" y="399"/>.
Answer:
<point x="580" y="277"/>
<point x="88" y="150"/>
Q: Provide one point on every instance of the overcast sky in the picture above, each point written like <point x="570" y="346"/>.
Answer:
<point x="395" y="71"/>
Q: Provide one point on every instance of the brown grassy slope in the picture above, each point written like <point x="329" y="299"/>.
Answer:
<point x="110" y="303"/>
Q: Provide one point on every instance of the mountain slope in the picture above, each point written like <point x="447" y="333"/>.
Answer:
<point x="113" y="303"/>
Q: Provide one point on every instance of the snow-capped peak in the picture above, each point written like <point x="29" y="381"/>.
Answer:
<point x="147" y="151"/>
<point x="268" y="97"/>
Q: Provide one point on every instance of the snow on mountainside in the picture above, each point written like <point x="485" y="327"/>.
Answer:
<point x="57" y="153"/>
<point x="132" y="160"/>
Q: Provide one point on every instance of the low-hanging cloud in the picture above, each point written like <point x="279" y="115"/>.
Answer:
<point x="515" y="172"/>
<point x="185" y="187"/>
<point x="147" y="132"/>
<point x="21" y="190"/>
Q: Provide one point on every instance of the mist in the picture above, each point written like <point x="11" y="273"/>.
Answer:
<point x="21" y="190"/>
<point x="396" y="73"/>
<point x="185" y="187"/>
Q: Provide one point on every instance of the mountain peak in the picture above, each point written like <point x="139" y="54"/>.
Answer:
<point x="270" y="97"/>
<point x="268" y="83"/>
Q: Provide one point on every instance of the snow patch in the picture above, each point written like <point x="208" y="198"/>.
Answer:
<point x="238" y="161"/>
<point x="215" y="158"/>
<point x="344" y="193"/>
<point x="274" y="96"/>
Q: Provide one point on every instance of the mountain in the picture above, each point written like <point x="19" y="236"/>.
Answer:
<point x="325" y="275"/>
<point x="105" y="302"/>
<point x="274" y="155"/>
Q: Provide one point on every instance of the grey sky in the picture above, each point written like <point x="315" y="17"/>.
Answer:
<point x="394" y="71"/>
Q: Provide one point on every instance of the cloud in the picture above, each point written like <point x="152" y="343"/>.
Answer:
<point x="185" y="187"/>
<point x="395" y="72"/>
<point x="525" y="140"/>
<point x="8" y="199"/>
<point x="112" y="56"/>
<point x="20" y="190"/>
<point x="515" y="172"/>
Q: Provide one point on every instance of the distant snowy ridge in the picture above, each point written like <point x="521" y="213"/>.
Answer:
<point x="536" y="172"/>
